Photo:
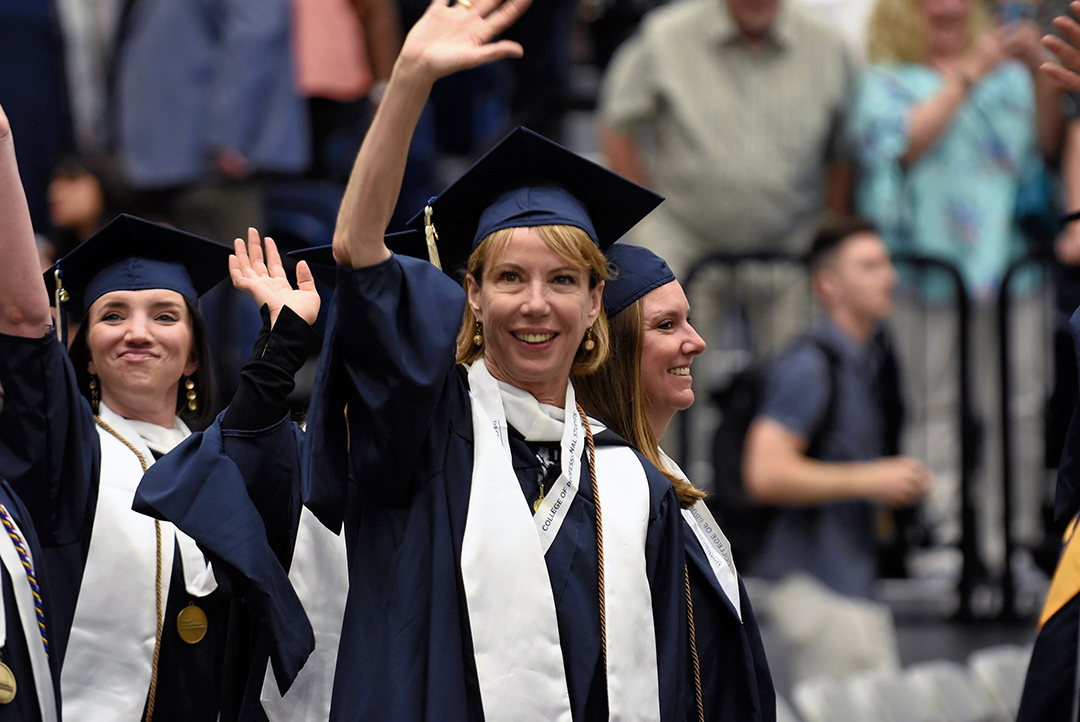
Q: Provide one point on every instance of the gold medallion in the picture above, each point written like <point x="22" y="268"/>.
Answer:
<point x="191" y="624"/>
<point x="7" y="684"/>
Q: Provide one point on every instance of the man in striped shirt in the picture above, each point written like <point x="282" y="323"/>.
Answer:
<point x="734" y="110"/>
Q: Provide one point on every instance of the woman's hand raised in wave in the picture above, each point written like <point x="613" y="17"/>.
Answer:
<point x="266" y="282"/>
<point x="1067" y="73"/>
<point x="449" y="38"/>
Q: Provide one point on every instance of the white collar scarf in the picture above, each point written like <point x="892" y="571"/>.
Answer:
<point x="716" y="546"/>
<point x="508" y="592"/>
<point x="106" y="673"/>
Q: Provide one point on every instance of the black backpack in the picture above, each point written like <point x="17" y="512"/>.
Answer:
<point x="745" y="522"/>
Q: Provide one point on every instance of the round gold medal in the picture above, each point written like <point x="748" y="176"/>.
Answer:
<point x="191" y="624"/>
<point x="7" y="684"/>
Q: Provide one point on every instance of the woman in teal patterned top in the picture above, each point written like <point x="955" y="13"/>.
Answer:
<point x="944" y="127"/>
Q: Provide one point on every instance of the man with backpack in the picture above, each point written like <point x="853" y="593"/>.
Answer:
<point x="822" y="447"/>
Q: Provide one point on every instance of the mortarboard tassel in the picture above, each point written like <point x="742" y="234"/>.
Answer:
<point x="431" y="236"/>
<point x="61" y="298"/>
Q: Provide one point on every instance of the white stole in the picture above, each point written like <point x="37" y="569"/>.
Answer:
<point x="24" y="601"/>
<point x="716" y="546"/>
<point x="320" y="576"/>
<point x="106" y="674"/>
<point x="508" y="592"/>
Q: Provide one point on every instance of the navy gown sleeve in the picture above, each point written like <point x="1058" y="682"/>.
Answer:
<point x="236" y="491"/>
<point x="388" y="354"/>
<point x="49" y="448"/>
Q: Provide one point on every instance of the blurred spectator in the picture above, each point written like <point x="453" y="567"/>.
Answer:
<point x="85" y="192"/>
<point x="828" y="419"/>
<point x="734" y="110"/>
<point x="205" y="106"/>
<point x="205" y="99"/>
<point x="33" y="94"/>
<point x="89" y="29"/>
<point x="345" y="50"/>
<point x="1068" y="242"/>
<point x="945" y="131"/>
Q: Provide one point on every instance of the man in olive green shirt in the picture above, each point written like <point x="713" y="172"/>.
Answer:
<point x="741" y="104"/>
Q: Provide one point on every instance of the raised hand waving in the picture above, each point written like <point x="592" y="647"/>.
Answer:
<point x="266" y="282"/>
<point x="449" y="38"/>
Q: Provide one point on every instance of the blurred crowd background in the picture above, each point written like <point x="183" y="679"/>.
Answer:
<point x="756" y="119"/>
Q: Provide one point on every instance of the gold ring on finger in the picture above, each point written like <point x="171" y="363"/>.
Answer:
<point x="465" y="4"/>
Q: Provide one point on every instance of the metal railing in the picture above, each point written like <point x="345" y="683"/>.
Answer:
<point x="1041" y="257"/>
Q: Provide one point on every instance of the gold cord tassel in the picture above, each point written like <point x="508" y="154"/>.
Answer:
<point x="431" y="236"/>
<point x="151" y="695"/>
<point x="600" y="581"/>
<point x="61" y="297"/>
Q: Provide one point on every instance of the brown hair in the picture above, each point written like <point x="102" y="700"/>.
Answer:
<point x="604" y="395"/>
<point x="832" y="234"/>
<point x="573" y="245"/>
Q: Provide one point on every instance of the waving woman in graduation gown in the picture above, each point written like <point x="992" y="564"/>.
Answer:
<point x="141" y="619"/>
<point x="473" y="503"/>
<point x="637" y="392"/>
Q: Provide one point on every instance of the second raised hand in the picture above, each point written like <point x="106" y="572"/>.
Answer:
<point x="266" y="282"/>
<point x="449" y="38"/>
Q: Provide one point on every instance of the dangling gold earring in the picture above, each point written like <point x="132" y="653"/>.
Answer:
<point x="95" y="395"/>
<point x="192" y="404"/>
<point x="478" y="337"/>
<point x="589" y="343"/>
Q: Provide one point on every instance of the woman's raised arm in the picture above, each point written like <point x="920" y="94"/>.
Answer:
<point x="24" y="302"/>
<point x="445" y="40"/>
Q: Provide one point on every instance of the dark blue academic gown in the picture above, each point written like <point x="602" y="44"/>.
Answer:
<point x="235" y="489"/>
<point x="15" y="653"/>
<point x="50" y="453"/>
<point x="735" y="681"/>
<point x="1049" y="686"/>
<point x="406" y="650"/>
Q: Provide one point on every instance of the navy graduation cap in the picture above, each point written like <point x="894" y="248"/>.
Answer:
<point x="637" y="271"/>
<point x="324" y="267"/>
<point x="133" y="254"/>
<point x="528" y="180"/>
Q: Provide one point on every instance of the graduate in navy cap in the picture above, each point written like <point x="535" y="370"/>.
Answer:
<point x="1052" y="687"/>
<point x="637" y="393"/>
<point x="143" y="623"/>
<point x="29" y="674"/>
<point x="500" y="567"/>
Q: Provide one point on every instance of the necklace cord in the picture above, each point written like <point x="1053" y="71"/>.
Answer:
<point x="160" y="613"/>
<point x="601" y="584"/>
<point x="693" y="648"/>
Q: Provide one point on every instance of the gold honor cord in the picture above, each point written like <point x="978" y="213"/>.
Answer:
<point x="160" y="612"/>
<point x="692" y="636"/>
<point x="601" y="585"/>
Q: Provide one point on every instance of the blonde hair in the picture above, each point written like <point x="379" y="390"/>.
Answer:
<point x="615" y="394"/>
<point x="575" y="247"/>
<point x="897" y="30"/>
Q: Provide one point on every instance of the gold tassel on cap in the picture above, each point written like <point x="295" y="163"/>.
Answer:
<point x="430" y="235"/>
<point x="61" y="297"/>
